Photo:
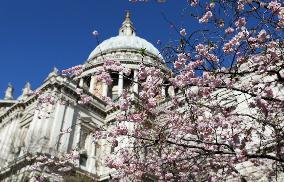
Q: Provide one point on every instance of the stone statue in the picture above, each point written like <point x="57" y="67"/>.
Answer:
<point x="53" y="73"/>
<point x="9" y="92"/>
<point x="27" y="90"/>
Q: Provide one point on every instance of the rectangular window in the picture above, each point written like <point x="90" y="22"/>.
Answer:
<point x="83" y="159"/>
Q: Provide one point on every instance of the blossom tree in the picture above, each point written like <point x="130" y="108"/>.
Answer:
<point x="217" y="113"/>
<point x="226" y="114"/>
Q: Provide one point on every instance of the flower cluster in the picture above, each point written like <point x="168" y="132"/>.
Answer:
<point x="57" y="166"/>
<point x="193" y="2"/>
<point x="124" y="101"/>
<point x="276" y="7"/>
<point x="235" y="41"/>
<point x="75" y="70"/>
<point x="182" y="32"/>
<point x="205" y="18"/>
<point x="152" y="79"/>
<point x="241" y="22"/>
<point x="45" y="101"/>
<point x="229" y="30"/>
<point x="103" y="73"/>
<point x="84" y="98"/>
<point x="241" y="4"/>
<point x="188" y="75"/>
<point x="203" y="50"/>
<point x="109" y="102"/>
<point x="202" y="120"/>
<point x="181" y="60"/>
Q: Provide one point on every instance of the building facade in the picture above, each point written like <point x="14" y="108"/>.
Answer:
<point x="50" y="121"/>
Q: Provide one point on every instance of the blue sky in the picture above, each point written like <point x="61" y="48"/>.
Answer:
<point x="36" y="35"/>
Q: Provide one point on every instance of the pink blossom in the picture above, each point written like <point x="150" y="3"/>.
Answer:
<point x="281" y="17"/>
<point x="75" y="70"/>
<point x="262" y="4"/>
<point x="274" y="6"/>
<point x="205" y="17"/>
<point x="204" y="51"/>
<point x="124" y="101"/>
<point x="235" y="41"/>
<point x="262" y="36"/>
<point x="183" y="32"/>
<point x="194" y="2"/>
<point x="114" y="143"/>
<point x="205" y="112"/>
<point x="109" y="102"/>
<point x="180" y="62"/>
<point x="241" y="22"/>
<point x="229" y="30"/>
<point x="85" y="99"/>
<point x="142" y="74"/>
<point x="105" y="77"/>
<point x="152" y="102"/>
<point x="136" y="117"/>
<point x="241" y="6"/>
<point x="121" y="130"/>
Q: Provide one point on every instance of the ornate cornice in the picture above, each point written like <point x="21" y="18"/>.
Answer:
<point x="62" y="85"/>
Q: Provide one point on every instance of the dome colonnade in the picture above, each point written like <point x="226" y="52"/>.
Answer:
<point x="127" y="49"/>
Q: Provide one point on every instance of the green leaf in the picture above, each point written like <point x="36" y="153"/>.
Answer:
<point x="143" y="51"/>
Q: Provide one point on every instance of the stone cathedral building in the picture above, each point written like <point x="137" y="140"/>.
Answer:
<point x="28" y="130"/>
<point x="25" y="132"/>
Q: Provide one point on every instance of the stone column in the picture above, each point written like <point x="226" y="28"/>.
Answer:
<point x="81" y="83"/>
<point x="3" y="152"/>
<point x="57" y="123"/>
<point x="12" y="138"/>
<point x="120" y="83"/>
<point x="31" y="138"/>
<point x="90" y="148"/>
<point x="92" y="85"/>
<point x="45" y="130"/>
<point x="105" y="89"/>
<point x="101" y="155"/>
<point x="4" y="133"/>
<point x="135" y="84"/>
<point x="93" y="158"/>
<point x="67" y="124"/>
<point x="163" y="91"/>
<point x="77" y="131"/>
<point x="171" y="91"/>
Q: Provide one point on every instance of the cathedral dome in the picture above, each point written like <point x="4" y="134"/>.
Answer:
<point x="126" y="40"/>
